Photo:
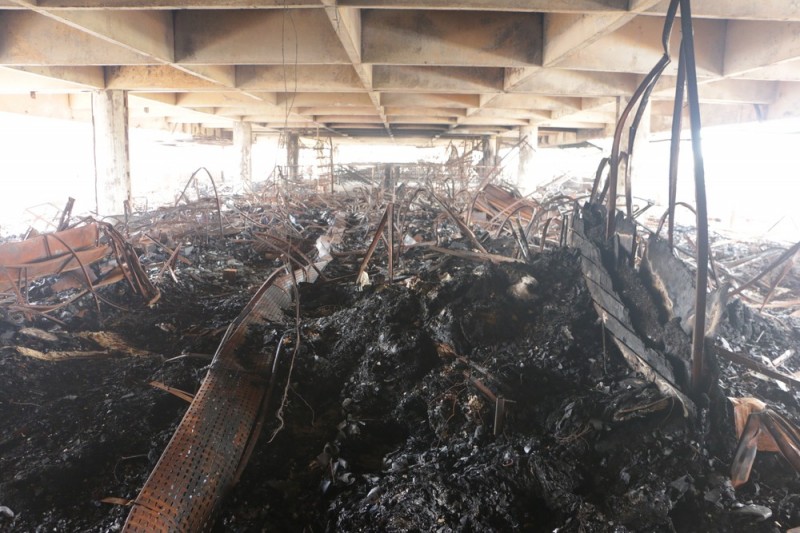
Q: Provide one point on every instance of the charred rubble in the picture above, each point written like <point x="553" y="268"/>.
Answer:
<point x="510" y="372"/>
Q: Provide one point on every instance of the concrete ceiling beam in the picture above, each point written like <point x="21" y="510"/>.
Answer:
<point x="44" y="105"/>
<point x="159" y="78"/>
<point x="164" y="98"/>
<point x="346" y="22"/>
<point x="174" y="4"/>
<point x="713" y="115"/>
<point x="55" y="79"/>
<point x="787" y="101"/>
<point x="725" y="91"/>
<point x="222" y="99"/>
<point x="738" y="9"/>
<point x="566" y="34"/>
<point x="785" y="71"/>
<point x="524" y="114"/>
<point x="437" y="79"/>
<point x="430" y="100"/>
<point x="298" y="100"/>
<point x="453" y="38"/>
<point x="532" y="101"/>
<point x="31" y="39"/>
<point x="539" y="6"/>
<point x="354" y="119"/>
<point x="298" y="78"/>
<point x="578" y="83"/>
<point x="260" y="37"/>
<point x="333" y="110"/>
<point x="420" y="120"/>
<point x="425" y="111"/>
<point x="751" y="45"/>
<point x="616" y="52"/>
<point x="149" y="33"/>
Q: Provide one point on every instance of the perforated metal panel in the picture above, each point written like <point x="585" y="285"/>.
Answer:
<point x="201" y="460"/>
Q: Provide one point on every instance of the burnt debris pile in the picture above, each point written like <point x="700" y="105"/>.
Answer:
<point x="431" y="363"/>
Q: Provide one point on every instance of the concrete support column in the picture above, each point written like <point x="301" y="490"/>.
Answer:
<point x="111" y="153"/>
<point x="243" y="146"/>
<point x="489" y="151"/>
<point x="293" y="154"/>
<point x="527" y="154"/>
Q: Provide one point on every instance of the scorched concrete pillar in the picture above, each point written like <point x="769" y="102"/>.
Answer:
<point x="529" y="139"/>
<point x="292" y="154"/>
<point x="111" y="153"/>
<point x="489" y="152"/>
<point x="243" y="146"/>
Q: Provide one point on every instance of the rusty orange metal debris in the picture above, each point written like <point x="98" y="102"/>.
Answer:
<point x="49" y="254"/>
<point x="67" y="254"/>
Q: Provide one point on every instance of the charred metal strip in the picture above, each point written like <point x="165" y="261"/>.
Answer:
<point x="598" y="176"/>
<point x="390" y="229"/>
<point x="466" y="254"/>
<point x="698" y="336"/>
<point x="675" y="144"/>
<point x="131" y="268"/>
<point x="523" y="242"/>
<point x="777" y="281"/>
<point x="785" y="256"/>
<point x="373" y="245"/>
<point x="216" y="195"/>
<point x="63" y="223"/>
<point x="462" y="226"/>
<point x="758" y="367"/>
<point x="183" y="395"/>
<point x="643" y="89"/>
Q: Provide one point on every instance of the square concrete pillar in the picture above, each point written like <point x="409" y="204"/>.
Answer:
<point x="111" y="151"/>
<point x="293" y="155"/>
<point x="243" y="147"/>
<point x="529" y="135"/>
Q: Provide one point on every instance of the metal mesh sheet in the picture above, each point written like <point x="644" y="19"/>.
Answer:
<point x="201" y="461"/>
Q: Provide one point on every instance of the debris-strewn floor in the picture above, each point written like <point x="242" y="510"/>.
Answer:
<point x="391" y="414"/>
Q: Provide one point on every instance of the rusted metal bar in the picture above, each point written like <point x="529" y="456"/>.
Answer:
<point x="523" y="242"/>
<point x="701" y="286"/>
<point x="390" y="230"/>
<point x="216" y="195"/>
<point x="675" y="144"/>
<point x="752" y="364"/>
<point x="183" y="395"/>
<point x="642" y="90"/>
<point x="460" y="223"/>
<point x="775" y="264"/>
<point x="373" y="245"/>
<point x="66" y="214"/>
<point x="466" y="254"/>
<point x="598" y="176"/>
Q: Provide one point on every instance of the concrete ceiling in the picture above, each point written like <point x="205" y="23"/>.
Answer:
<point x="391" y="68"/>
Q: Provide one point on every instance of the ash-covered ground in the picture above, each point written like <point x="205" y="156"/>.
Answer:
<point x="390" y="413"/>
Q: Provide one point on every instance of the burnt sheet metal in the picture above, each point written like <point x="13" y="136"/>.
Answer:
<point x="49" y="254"/>
<point x="673" y="281"/>
<point x="651" y="364"/>
<point x="200" y="463"/>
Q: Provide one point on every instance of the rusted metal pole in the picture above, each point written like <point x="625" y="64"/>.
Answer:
<point x="699" y="333"/>
<point x="675" y="145"/>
